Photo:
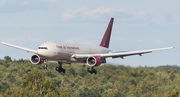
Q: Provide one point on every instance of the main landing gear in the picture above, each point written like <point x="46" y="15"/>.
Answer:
<point x="60" y="69"/>
<point x="92" y="70"/>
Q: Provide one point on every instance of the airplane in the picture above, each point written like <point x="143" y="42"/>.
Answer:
<point x="94" y="56"/>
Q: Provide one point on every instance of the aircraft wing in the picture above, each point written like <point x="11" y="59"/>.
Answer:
<point x="18" y="47"/>
<point x="119" y="54"/>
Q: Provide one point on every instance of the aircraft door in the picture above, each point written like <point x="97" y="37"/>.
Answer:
<point x="55" y="50"/>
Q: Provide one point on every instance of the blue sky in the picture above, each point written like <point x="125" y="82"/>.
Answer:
<point x="138" y="25"/>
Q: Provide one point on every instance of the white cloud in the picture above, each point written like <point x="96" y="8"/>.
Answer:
<point x="2" y="2"/>
<point x="14" y="40"/>
<point x="128" y="15"/>
<point x="164" y="19"/>
<point x="140" y="15"/>
<point x="71" y="14"/>
<point x="141" y="40"/>
<point x="98" y="12"/>
<point x="51" y="1"/>
<point x="25" y="2"/>
<point x="158" y="18"/>
<point x="85" y="12"/>
<point x="21" y="40"/>
<point x="101" y="11"/>
<point x="124" y="19"/>
<point x="156" y="42"/>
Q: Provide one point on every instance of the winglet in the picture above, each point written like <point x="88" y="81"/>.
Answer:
<point x="106" y="39"/>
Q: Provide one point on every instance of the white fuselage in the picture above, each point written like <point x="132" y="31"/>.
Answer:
<point x="63" y="52"/>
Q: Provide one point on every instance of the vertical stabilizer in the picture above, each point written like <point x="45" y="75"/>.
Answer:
<point x="106" y="38"/>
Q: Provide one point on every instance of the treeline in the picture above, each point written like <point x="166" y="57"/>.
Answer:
<point x="20" y="78"/>
<point x="166" y="67"/>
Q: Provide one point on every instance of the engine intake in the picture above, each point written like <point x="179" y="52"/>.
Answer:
<point x="94" y="61"/>
<point x="36" y="60"/>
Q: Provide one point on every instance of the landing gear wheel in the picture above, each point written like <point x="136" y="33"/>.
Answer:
<point x="60" y="69"/>
<point x="63" y="70"/>
<point x="88" y="69"/>
<point x="45" y="66"/>
<point x="92" y="70"/>
<point x="95" y="71"/>
<point x="57" y="69"/>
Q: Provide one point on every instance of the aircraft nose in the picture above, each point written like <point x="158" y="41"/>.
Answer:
<point x="42" y="53"/>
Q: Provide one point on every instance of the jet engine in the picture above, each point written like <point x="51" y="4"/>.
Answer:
<point x="94" y="61"/>
<point x="36" y="60"/>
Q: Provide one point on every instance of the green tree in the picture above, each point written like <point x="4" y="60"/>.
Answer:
<point x="3" y="86"/>
<point x="7" y="59"/>
<point x="36" y="81"/>
<point x="175" y="94"/>
<point x="35" y="84"/>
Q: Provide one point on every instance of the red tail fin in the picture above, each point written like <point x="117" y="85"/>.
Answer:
<point x="106" y="39"/>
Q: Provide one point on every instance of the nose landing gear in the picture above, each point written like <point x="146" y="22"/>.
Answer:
<point x="45" y="66"/>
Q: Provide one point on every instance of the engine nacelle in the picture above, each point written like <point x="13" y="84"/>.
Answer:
<point x="36" y="60"/>
<point x="94" y="61"/>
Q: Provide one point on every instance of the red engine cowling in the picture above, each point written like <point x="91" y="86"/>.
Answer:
<point x="36" y="60"/>
<point x="94" y="61"/>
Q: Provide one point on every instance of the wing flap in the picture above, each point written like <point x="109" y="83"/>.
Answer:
<point x="18" y="47"/>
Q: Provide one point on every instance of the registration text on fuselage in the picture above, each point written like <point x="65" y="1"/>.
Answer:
<point x="67" y="47"/>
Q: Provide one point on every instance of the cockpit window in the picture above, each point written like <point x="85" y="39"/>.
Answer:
<point x="43" y="48"/>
